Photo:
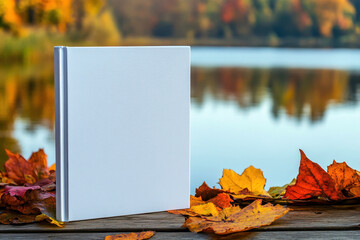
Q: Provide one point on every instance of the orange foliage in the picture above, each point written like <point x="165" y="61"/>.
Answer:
<point x="234" y="219"/>
<point x="35" y="201"/>
<point x="212" y="210"/>
<point x="48" y="13"/>
<point x="331" y="13"/>
<point x="338" y="183"/>
<point x="313" y="181"/>
<point x="347" y="180"/>
<point x="22" y="171"/>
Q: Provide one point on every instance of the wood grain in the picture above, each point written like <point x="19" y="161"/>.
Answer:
<point x="281" y="235"/>
<point x="304" y="222"/>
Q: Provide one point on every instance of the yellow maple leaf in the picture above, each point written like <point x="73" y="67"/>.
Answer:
<point x="234" y="219"/>
<point x="252" y="179"/>
<point x="346" y="179"/>
<point x="197" y="208"/>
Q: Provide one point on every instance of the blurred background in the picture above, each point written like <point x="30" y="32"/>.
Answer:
<point x="268" y="76"/>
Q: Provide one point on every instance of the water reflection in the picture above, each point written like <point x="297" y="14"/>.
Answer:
<point x="27" y="109"/>
<point x="299" y="93"/>
<point x="239" y="116"/>
<point x="261" y="117"/>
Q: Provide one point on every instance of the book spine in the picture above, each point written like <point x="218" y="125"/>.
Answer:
<point x="60" y="64"/>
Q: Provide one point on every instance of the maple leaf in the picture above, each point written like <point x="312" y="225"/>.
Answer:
<point x="21" y="171"/>
<point x="38" y="160"/>
<point x="251" y="179"/>
<point x="222" y="200"/>
<point x="347" y="180"/>
<point x="312" y="181"/>
<point x="18" y="169"/>
<point x="131" y="236"/>
<point x="206" y="193"/>
<point x="234" y="219"/>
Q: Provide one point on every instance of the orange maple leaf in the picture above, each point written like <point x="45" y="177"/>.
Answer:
<point x="312" y="182"/>
<point x="347" y="180"/>
<point x="222" y="200"/>
<point x="22" y="171"/>
<point x="18" y="169"/>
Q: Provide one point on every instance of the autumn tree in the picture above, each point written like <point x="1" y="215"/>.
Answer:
<point x="332" y="14"/>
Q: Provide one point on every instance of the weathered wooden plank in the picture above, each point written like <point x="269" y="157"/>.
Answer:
<point x="161" y="221"/>
<point x="301" y="218"/>
<point x="281" y="235"/>
<point x="336" y="217"/>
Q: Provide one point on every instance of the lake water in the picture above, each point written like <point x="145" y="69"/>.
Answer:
<point x="249" y="107"/>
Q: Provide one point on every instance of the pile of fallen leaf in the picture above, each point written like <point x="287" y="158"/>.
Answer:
<point x="27" y="190"/>
<point x="218" y="210"/>
<point x="27" y="194"/>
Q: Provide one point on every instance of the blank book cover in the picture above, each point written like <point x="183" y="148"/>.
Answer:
<point x="122" y="130"/>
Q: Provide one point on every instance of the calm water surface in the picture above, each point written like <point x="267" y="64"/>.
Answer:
<point x="249" y="107"/>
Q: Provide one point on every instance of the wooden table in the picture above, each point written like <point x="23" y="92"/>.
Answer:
<point x="308" y="222"/>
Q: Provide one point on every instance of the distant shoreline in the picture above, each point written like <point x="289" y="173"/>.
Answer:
<point x="249" y="42"/>
<point x="39" y="48"/>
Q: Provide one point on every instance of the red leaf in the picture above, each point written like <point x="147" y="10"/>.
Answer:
<point x="38" y="161"/>
<point x="222" y="200"/>
<point x="29" y="200"/>
<point x="206" y="193"/>
<point x="18" y="169"/>
<point x="312" y="182"/>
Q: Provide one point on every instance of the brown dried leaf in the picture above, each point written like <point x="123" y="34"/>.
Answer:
<point x="206" y="193"/>
<point x="12" y="217"/>
<point x="131" y="236"/>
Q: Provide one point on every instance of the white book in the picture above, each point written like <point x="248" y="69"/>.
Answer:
<point x="122" y="130"/>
